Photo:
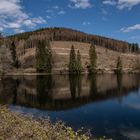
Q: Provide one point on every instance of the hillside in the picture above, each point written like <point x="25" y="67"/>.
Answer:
<point x="61" y="40"/>
<point x="106" y="58"/>
<point x="66" y="34"/>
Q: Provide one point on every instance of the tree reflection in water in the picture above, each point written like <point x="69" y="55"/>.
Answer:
<point x="44" y="86"/>
<point x="75" y="85"/>
<point x="64" y="92"/>
<point x="93" y="85"/>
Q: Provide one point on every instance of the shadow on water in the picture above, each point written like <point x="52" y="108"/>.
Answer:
<point x="65" y="92"/>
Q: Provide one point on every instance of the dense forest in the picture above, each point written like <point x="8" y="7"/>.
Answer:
<point x="66" y="34"/>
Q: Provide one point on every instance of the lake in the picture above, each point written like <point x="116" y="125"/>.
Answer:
<point x="108" y="105"/>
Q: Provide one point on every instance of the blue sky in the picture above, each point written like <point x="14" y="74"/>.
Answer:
<point x="118" y="19"/>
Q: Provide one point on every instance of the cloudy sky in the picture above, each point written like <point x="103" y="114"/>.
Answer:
<point x="118" y="19"/>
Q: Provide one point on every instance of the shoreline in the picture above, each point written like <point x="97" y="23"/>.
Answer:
<point x="20" y="127"/>
<point x="100" y="71"/>
<point x="15" y="126"/>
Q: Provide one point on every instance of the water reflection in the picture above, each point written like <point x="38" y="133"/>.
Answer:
<point x="65" y="92"/>
<point x="107" y="104"/>
<point x="75" y="85"/>
<point x="44" y="86"/>
<point x="93" y="86"/>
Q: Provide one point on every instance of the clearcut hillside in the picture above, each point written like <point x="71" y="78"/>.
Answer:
<point x="61" y="40"/>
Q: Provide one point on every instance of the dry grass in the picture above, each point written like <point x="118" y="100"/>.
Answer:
<point x="17" y="127"/>
<point x="106" y="58"/>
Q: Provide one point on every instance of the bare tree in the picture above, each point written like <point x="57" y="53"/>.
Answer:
<point x="5" y="59"/>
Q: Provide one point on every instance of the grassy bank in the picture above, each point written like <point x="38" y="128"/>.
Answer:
<point x="17" y="127"/>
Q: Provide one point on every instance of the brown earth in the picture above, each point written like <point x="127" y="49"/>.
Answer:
<point x="106" y="61"/>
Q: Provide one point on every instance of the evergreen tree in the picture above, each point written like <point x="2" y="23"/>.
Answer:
<point x="119" y="65"/>
<point x="43" y="57"/>
<point x="48" y="57"/>
<point x="41" y="63"/>
<point x="93" y="59"/>
<point x="136" y="47"/>
<point x="14" y="55"/>
<point x="79" y="64"/>
<point x="72" y="61"/>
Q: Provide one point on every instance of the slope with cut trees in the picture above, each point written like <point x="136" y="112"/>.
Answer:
<point x="60" y="42"/>
<point x="66" y="34"/>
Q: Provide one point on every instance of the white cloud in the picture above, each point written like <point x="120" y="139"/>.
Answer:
<point x="80" y="4"/>
<point x="86" y="23"/>
<point x="38" y="20"/>
<point x="61" y="12"/>
<point x="127" y="3"/>
<point x="1" y="29"/>
<point x="121" y="4"/>
<point x="13" y="25"/>
<point x="28" y="22"/>
<point x="54" y="11"/>
<point x="19" y="30"/>
<point x="12" y="8"/>
<point x="131" y="28"/>
<point x="13" y="16"/>
<point x="56" y="7"/>
<point x="109" y="2"/>
<point x="49" y="11"/>
<point x="48" y="17"/>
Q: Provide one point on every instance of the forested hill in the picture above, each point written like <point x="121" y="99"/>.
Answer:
<point x="66" y="34"/>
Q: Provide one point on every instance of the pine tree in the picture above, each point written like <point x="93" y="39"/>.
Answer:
<point x="41" y="63"/>
<point x="14" y="55"/>
<point x="72" y="61"/>
<point x="136" y="47"/>
<point x="93" y="59"/>
<point x="119" y="65"/>
<point x="79" y="64"/>
<point x="43" y="56"/>
<point x="48" y="57"/>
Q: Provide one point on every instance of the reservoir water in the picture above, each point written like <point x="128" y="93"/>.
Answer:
<point x="108" y="105"/>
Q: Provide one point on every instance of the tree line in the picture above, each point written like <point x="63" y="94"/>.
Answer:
<point x="75" y="64"/>
<point x="65" y="34"/>
<point x="44" y="60"/>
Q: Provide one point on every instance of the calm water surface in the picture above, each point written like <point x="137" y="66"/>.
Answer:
<point x="106" y="104"/>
